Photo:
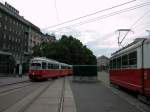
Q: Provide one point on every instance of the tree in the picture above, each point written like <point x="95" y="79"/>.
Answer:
<point x="68" y="50"/>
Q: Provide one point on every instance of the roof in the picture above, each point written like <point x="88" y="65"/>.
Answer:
<point x="11" y="13"/>
<point x="103" y="57"/>
<point x="16" y="15"/>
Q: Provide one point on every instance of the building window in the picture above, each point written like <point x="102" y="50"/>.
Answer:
<point x="6" y="18"/>
<point x="0" y="24"/>
<point x="0" y="14"/>
<point x="9" y="37"/>
<point x="4" y="36"/>
<point x="5" y="27"/>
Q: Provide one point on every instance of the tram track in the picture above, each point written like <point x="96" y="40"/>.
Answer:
<point x="13" y="87"/>
<point x="51" y="94"/>
<point x="35" y="98"/>
<point x="23" y="104"/>
<point x="61" y="98"/>
<point x="16" y="99"/>
<point x="13" y="83"/>
<point x="61" y="102"/>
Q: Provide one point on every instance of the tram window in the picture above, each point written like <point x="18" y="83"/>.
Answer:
<point x="125" y="61"/>
<point x="36" y="66"/>
<point x="119" y="62"/>
<point x="114" y="63"/>
<point x="55" y="66"/>
<point x="111" y="64"/>
<point x="133" y="59"/>
<point x="49" y="66"/>
<point x="52" y="66"/>
<point x="43" y="65"/>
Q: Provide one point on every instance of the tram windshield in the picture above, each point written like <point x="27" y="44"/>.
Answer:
<point x="36" y="66"/>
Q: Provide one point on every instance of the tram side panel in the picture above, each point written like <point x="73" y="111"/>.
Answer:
<point x="147" y="69"/>
<point x="128" y="78"/>
<point x="52" y="73"/>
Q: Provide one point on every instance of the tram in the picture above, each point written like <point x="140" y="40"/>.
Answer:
<point x="130" y="67"/>
<point x="43" y="68"/>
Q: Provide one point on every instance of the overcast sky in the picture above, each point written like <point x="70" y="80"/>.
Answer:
<point x="100" y="35"/>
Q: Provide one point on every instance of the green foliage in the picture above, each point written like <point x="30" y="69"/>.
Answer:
<point x="68" y="50"/>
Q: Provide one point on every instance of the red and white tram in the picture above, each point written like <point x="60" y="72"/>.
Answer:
<point x="43" y="68"/>
<point x="130" y="67"/>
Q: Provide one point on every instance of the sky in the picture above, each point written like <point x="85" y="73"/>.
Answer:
<point x="99" y="31"/>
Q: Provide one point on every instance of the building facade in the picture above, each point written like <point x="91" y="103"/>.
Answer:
<point x="48" y="38"/>
<point x="35" y="37"/>
<point x="18" y="36"/>
<point x="13" y="36"/>
<point x="103" y="63"/>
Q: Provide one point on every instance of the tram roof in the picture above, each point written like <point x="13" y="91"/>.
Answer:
<point x="130" y="47"/>
<point x="64" y="64"/>
<point x="45" y="59"/>
<point x="50" y="60"/>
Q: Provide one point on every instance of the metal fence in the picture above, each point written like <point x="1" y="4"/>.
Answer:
<point x="84" y="72"/>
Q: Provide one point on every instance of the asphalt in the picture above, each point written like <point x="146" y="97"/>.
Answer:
<point x="95" y="97"/>
<point x="80" y="96"/>
<point x="47" y="99"/>
<point x="4" y="81"/>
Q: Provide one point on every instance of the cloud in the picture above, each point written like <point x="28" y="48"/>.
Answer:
<point x="103" y="51"/>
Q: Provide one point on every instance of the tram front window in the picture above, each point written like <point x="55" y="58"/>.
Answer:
<point x="36" y="66"/>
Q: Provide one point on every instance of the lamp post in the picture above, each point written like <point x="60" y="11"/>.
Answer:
<point x="22" y="54"/>
<point x="21" y="59"/>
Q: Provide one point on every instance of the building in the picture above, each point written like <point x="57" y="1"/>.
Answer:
<point x="103" y="62"/>
<point x="48" y="38"/>
<point x="35" y="37"/>
<point x="13" y="36"/>
<point x="18" y="37"/>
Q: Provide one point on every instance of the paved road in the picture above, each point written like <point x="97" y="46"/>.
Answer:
<point x="125" y="95"/>
<point x="45" y="96"/>
<point x="12" y="80"/>
<point x="10" y="97"/>
<point x="95" y="97"/>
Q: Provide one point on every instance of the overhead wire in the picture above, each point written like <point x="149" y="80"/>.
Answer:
<point x="57" y="14"/>
<point x="135" y="24"/>
<point x="88" y="14"/>
<point x="106" y="15"/>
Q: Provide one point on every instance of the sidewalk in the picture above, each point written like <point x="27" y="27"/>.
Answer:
<point x="12" y="80"/>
